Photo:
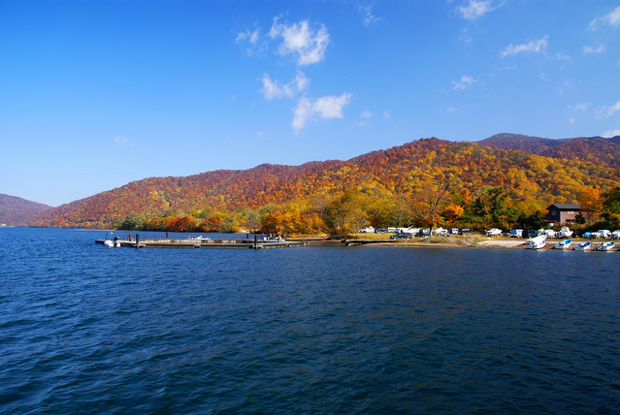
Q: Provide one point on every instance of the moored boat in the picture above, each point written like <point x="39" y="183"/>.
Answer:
<point x="563" y="244"/>
<point x="606" y="246"/>
<point x="584" y="246"/>
<point x="536" y="243"/>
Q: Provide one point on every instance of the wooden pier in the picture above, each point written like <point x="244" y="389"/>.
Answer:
<point x="255" y="243"/>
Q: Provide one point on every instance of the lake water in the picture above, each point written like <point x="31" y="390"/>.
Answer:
<point x="319" y="329"/>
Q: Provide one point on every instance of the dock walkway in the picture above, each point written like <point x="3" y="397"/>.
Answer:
<point x="257" y="243"/>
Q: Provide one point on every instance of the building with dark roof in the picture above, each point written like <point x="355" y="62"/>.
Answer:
<point x="563" y="212"/>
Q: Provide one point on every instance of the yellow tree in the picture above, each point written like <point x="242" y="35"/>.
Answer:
<point x="428" y="203"/>
<point x="590" y="203"/>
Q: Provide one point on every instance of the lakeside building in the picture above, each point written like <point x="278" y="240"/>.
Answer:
<point x="563" y="213"/>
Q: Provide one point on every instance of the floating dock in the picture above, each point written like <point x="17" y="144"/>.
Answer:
<point x="256" y="243"/>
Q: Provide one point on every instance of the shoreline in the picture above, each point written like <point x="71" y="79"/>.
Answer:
<point x="469" y="242"/>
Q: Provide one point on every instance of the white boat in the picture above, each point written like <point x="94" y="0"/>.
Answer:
<point x="536" y="243"/>
<point x="584" y="246"/>
<point x="563" y="244"/>
<point x="606" y="246"/>
<point x="493" y="232"/>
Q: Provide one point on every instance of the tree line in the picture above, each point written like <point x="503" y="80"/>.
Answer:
<point x="429" y="206"/>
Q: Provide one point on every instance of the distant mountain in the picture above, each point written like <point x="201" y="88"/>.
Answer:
<point x="529" y="179"/>
<point x="597" y="150"/>
<point x="15" y="211"/>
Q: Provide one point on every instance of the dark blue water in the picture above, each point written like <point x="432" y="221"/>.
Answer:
<point x="320" y="329"/>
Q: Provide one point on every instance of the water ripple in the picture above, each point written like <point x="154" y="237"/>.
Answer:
<point x="87" y="329"/>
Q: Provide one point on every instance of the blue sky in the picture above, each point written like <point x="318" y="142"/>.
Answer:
<point x="96" y="94"/>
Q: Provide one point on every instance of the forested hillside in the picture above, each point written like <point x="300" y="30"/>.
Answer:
<point x="15" y="211"/>
<point x="598" y="150"/>
<point x="385" y="179"/>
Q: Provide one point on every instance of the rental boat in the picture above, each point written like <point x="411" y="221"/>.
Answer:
<point x="563" y="244"/>
<point x="584" y="246"/>
<point x="606" y="246"/>
<point x="536" y="243"/>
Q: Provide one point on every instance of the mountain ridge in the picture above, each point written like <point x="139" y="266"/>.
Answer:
<point x="15" y="211"/>
<point x="528" y="178"/>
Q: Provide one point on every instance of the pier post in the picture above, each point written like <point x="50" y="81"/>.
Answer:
<point x="137" y="240"/>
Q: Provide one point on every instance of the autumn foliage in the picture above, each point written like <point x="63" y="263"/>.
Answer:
<point x="483" y="185"/>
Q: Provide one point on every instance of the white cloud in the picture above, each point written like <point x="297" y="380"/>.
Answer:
<point x="366" y="114"/>
<point x="387" y="115"/>
<point x="327" y="107"/>
<point x="607" y="112"/>
<point x="273" y="89"/>
<point x="369" y="18"/>
<point x="464" y="83"/>
<point x="610" y="133"/>
<point x="534" y="46"/>
<point x="581" y="107"/>
<point x="300" y="40"/>
<point x="475" y="9"/>
<point x="121" y="140"/>
<point x="589" y="49"/>
<point x="250" y="36"/>
<point x="613" y="18"/>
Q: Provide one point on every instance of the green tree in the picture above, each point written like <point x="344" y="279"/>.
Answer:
<point x="133" y="221"/>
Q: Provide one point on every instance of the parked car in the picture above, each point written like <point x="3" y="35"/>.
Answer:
<point x="564" y="233"/>
<point x="402" y="235"/>
<point x="615" y="234"/>
<point x="604" y="234"/>
<point x="368" y="229"/>
<point x="441" y="231"/>
<point x="530" y="233"/>
<point x="516" y="233"/>
<point x="466" y="231"/>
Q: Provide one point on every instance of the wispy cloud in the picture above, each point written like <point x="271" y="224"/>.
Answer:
<point x="300" y="40"/>
<point x="121" y="140"/>
<point x="581" y="107"/>
<point x="590" y="50"/>
<point x="366" y="114"/>
<point x="608" y="111"/>
<point x="253" y="39"/>
<point x="535" y="46"/>
<point x="368" y="17"/>
<point x="475" y="9"/>
<point x="273" y="89"/>
<point x="610" y="133"/>
<point x="249" y="36"/>
<point x="327" y="107"/>
<point x="612" y="18"/>
<point x="464" y="83"/>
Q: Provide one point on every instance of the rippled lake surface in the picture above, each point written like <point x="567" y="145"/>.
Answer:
<point x="319" y="329"/>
